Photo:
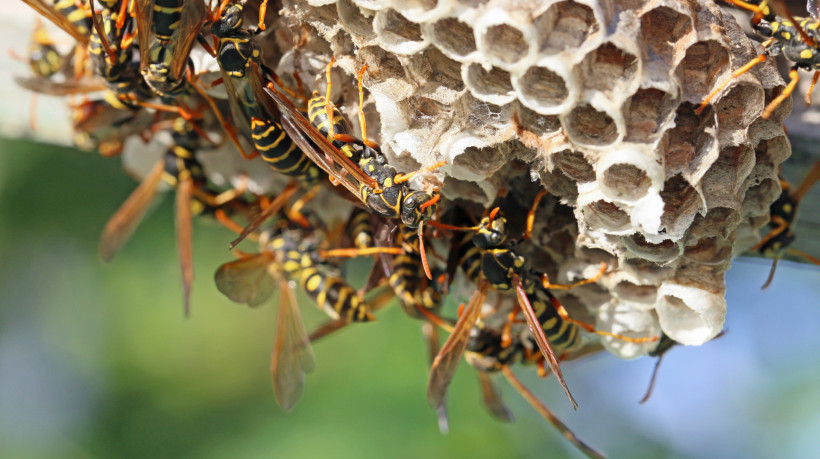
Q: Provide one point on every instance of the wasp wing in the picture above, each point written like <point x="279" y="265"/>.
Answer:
<point x="144" y="10"/>
<point x="320" y="149"/>
<point x="47" y="11"/>
<point x="541" y="338"/>
<point x="246" y="280"/>
<point x="60" y="88"/>
<point x="193" y="16"/>
<point x="122" y="225"/>
<point x="446" y="362"/>
<point x="292" y="355"/>
<point x="492" y="398"/>
<point x="184" y="230"/>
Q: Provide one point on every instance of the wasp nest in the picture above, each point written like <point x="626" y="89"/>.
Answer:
<point x="596" y="100"/>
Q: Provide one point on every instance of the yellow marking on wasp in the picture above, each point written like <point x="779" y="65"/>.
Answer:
<point x="313" y="283"/>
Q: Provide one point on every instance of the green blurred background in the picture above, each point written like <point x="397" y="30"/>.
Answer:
<point x="98" y="361"/>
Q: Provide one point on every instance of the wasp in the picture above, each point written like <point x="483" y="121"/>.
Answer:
<point x="783" y="213"/>
<point x="167" y="30"/>
<point x="180" y="169"/>
<point x="359" y="165"/>
<point x="490" y="260"/>
<point x="110" y="47"/>
<point x="291" y="251"/>
<point x="489" y="352"/>
<point x="795" y="38"/>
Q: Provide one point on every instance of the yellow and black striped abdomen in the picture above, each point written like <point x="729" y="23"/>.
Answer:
<point x="281" y="153"/>
<point x="405" y="281"/>
<point x="360" y="229"/>
<point x="332" y="294"/>
<point x="77" y="16"/>
<point x="167" y="14"/>
<point x="317" y="114"/>
<point x="563" y="335"/>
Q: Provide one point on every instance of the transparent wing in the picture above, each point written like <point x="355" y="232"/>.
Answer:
<point x="541" y="338"/>
<point x="446" y="362"/>
<point x="292" y="355"/>
<point x="318" y="148"/>
<point x="60" y="88"/>
<point x="492" y="398"/>
<point x="246" y="280"/>
<point x="122" y="225"/>
<point x="184" y="230"/>
<point x="193" y="16"/>
<point x="47" y="11"/>
<point x="144" y="10"/>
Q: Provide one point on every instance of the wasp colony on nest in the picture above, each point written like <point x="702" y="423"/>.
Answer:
<point x="554" y="151"/>
<point x="595" y="101"/>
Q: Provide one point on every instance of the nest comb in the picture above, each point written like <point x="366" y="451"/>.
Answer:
<point x="595" y="99"/>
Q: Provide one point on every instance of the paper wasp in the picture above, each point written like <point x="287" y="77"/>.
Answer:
<point x="491" y="261"/>
<point x="180" y="169"/>
<point x="291" y="251"/>
<point x="167" y="30"/>
<point x="797" y="39"/>
<point x="359" y="166"/>
<point x="783" y="213"/>
<point x="489" y="352"/>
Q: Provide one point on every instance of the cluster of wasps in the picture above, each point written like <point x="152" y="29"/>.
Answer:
<point x="798" y="41"/>
<point x="137" y="54"/>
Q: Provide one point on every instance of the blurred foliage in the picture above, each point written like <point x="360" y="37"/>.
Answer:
<point x="98" y="361"/>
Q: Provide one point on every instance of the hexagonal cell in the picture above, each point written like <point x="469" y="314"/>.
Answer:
<point x="397" y="34"/>
<point x="464" y="189"/>
<point x="699" y="70"/>
<point x="422" y="10"/>
<point x="453" y="37"/>
<point x="542" y="89"/>
<point x="538" y="125"/>
<point x="435" y="70"/>
<point x="588" y="126"/>
<point x="647" y="270"/>
<point x="503" y="43"/>
<point x="717" y="222"/>
<point x="680" y="203"/>
<point x="565" y="26"/>
<point x="605" y="216"/>
<point x="722" y="181"/>
<point x="493" y="86"/>
<point x="758" y="198"/>
<point x="648" y="110"/>
<point x="483" y="114"/>
<point x="661" y="28"/>
<point x="596" y="255"/>
<point x="659" y="253"/>
<point x="739" y="106"/>
<point x="574" y="165"/>
<point x="633" y="292"/>
<point x="559" y="184"/>
<point x="607" y="67"/>
<point x="690" y="145"/>
<point x="784" y="109"/>
<point x="709" y="250"/>
<point x="688" y="314"/>
<point x="354" y="21"/>
<point x="773" y="151"/>
<point x="485" y="161"/>
<point x="626" y="180"/>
